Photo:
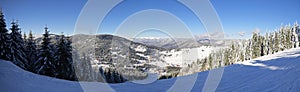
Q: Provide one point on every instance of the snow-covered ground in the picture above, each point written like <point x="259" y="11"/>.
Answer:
<point x="278" y="72"/>
<point x="186" y="56"/>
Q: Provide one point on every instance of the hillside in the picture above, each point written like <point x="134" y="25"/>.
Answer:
<point x="117" y="52"/>
<point x="277" y="72"/>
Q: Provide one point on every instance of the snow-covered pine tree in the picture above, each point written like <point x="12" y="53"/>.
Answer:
<point x="262" y="45"/>
<point x="271" y="43"/>
<point x="112" y="76"/>
<point x="69" y="50"/>
<point x="248" y="50"/>
<point x="204" y="64"/>
<point x="232" y="57"/>
<point x="281" y="39"/>
<point x="227" y="57"/>
<point x="17" y="47"/>
<point x="210" y="61"/>
<point x="31" y="52"/>
<point x="64" y="59"/>
<point x="107" y="74"/>
<point x="295" y="37"/>
<point x="25" y="39"/>
<point x="255" y="45"/>
<point x="267" y="44"/>
<point x="61" y="62"/>
<point x="100" y="76"/>
<point x="117" y="77"/>
<point x="276" y="42"/>
<point x="45" y="64"/>
<point x="288" y="36"/>
<point x="4" y="39"/>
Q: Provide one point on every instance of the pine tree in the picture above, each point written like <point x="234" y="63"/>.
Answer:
<point x="227" y="57"/>
<point x="45" y="64"/>
<point x="248" y="50"/>
<point x="69" y="56"/>
<point x="232" y="54"/>
<point x="64" y="59"/>
<point x="108" y="75"/>
<point x="281" y="39"/>
<point x="100" y="75"/>
<point x="4" y="39"/>
<point x="288" y="37"/>
<point x="112" y="76"/>
<point x="255" y="45"/>
<point x="117" y="77"/>
<point x="295" y="37"/>
<point x="210" y="61"/>
<point x="31" y="52"/>
<point x="17" y="47"/>
<point x="276" y="42"/>
<point x="267" y="44"/>
<point x="262" y="46"/>
<point x="25" y="39"/>
<point x="271" y="44"/>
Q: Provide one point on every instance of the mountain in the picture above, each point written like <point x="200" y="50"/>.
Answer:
<point x="169" y="43"/>
<point x="181" y="43"/>
<point x="277" y="72"/>
<point x="109" y="51"/>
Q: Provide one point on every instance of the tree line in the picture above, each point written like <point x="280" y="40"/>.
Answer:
<point x="286" y="37"/>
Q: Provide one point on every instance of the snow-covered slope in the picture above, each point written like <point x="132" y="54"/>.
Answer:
<point x="278" y="72"/>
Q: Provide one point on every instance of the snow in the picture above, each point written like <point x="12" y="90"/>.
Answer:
<point x="142" y="55"/>
<point x="278" y="72"/>
<point x="140" y="48"/>
<point x="186" y="56"/>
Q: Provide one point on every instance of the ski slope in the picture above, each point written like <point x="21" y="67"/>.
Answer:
<point x="278" y="72"/>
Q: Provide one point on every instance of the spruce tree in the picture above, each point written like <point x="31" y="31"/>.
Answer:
<point x="69" y="56"/>
<point x="281" y="39"/>
<point x="262" y="46"/>
<point x="276" y="42"/>
<point x="31" y="52"/>
<point x="4" y="39"/>
<point x="64" y="57"/>
<point x="295" y="38"/>
<point x="267" y="44"/>
<point x="17" y="47"/>
<point x="232" y="54"/>
<point x="248" y="50"/>
<point x="255" y="45"/>
<point x="227" y="57"/>
<point x="25" y="39"/>
<point x="204" y="64"/>
<point x="271" y="43"/>
<point x="288" y="37"/>
<point x="117" y="77"/>
<point x="61" y="60"/>
<point x="210" y="61"/>
<point x="45" y="64"/>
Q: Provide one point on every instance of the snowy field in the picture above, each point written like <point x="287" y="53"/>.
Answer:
<point x="278" y="72"/>
<point x="186" y="56"/>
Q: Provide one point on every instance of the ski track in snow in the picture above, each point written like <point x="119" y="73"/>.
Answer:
<point x="277" y="72"/>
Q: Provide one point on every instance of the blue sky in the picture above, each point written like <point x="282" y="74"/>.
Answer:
<point x="236" y="15"/>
